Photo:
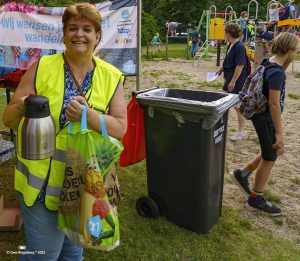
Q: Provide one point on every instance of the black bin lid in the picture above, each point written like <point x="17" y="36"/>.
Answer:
<point x="36" y="106"/>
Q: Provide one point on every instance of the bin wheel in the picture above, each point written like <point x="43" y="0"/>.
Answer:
<point x="147" y="207"/>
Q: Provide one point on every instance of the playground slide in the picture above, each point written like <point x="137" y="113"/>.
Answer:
<point x="250" y="52"/>
<point x="216" y="29"/>
<point x="295" y="22"/>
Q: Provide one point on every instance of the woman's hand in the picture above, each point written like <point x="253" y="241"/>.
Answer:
<point x="230" y="86"/>
<point x="279" y="144"/>
<point x="74" y="109"/>
<point x="219" y="72"/>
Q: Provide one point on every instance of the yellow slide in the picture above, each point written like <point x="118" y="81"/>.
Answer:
<point x="217" y="29"/>
<point x="295" y="22"/>
<point x="250" y="52"/>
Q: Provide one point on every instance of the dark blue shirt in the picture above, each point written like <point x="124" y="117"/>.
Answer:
<point x="274" y="79"/>
<point x="236" y="56"/>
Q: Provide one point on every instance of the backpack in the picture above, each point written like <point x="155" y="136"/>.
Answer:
<point x="284" y="13"/>
<point x="253" y="100"/>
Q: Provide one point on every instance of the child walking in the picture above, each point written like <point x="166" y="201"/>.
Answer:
<point x="268" y="125"/>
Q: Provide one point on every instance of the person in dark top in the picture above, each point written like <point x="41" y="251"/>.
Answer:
<point x="268" y="125"/>
<point x="235" y="70"/>
<point x="195" y="41"/>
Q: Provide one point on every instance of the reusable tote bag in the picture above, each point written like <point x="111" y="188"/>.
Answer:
<point x="87" y="214"/>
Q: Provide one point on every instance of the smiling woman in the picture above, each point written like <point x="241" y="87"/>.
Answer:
<point x="68" y="80"/>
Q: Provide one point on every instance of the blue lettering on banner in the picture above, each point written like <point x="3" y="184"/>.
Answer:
<point x="8" y="23"/>
<point x="59" y="27"/>
<point x="41" y="38"/>
<point x="35" y="25"/>
<point x="124" y="30"/>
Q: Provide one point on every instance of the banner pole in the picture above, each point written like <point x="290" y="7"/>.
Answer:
<point x="138" y="42"/>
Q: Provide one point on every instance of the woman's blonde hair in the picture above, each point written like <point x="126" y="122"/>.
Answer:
<point x="86" y="11"/>
<point x="285" y="42"/>
<point x="234" y="30"/>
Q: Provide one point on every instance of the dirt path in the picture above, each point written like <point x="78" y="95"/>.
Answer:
<point x="285" y="178"/>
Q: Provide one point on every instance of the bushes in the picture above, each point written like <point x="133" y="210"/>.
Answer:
<point x="149" y="27"/>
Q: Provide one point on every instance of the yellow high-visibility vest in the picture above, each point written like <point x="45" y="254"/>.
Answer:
<point x="30" y="175"/>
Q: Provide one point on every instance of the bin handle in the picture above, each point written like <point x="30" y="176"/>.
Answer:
<point x="135" y="93"/>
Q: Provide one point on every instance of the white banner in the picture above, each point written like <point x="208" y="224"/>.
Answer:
<point x="41" y="28"/>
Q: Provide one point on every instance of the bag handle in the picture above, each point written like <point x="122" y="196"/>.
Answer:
<point x="83" y="125"/>
<point x="103" y="127"/>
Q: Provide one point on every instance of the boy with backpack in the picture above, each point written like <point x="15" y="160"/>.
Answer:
<point x="269" y="79"/>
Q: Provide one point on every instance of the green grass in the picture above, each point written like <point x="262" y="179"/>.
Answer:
<point x="272" y="181"/>
<point x="297" y="75"/>
<point x="157" y="73"/>
<point x="168" y="84"/>
<point x="296" y="180"/>
<point x="294" y="96"/>
<point x="297" y="58"/>
<point x="271" y="197"/>
<point x="175" y="50"/>
<point x="2" y="107"/>
<point x="213" y="84"/>
<point x="231" y="238"/>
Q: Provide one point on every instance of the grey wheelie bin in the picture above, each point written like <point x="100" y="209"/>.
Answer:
<point x="185" y="134"/>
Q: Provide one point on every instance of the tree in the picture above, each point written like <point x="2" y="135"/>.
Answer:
<point x="149" y="27"/>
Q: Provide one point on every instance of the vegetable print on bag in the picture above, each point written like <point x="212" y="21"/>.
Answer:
<point x="88" y="203"/>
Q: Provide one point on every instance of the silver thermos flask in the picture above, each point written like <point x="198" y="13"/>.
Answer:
<point x="36" y="129"/>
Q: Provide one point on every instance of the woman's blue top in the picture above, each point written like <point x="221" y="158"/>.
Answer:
<point x="236" y="56"/>
<point x="72" y="91"/>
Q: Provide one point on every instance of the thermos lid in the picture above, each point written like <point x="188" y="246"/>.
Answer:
<point x="36" y="106"/>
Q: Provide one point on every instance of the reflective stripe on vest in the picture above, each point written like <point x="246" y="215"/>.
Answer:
<point x="50" y="82"/>
<point x="35" y="181"/>
<point x="60" y="155"/>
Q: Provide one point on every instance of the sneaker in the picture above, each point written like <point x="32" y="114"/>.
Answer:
<point x="242" y="183"/>
<point x="260" y="203"/>
<point x="239" y="135"/>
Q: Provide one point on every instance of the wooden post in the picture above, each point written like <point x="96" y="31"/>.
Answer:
<point x="187" y="46"/>
<point x="147" y="54"/>
<point x="138" y="47"/>
<point x="167" y="42"/>
<point x="219" y="52"/>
